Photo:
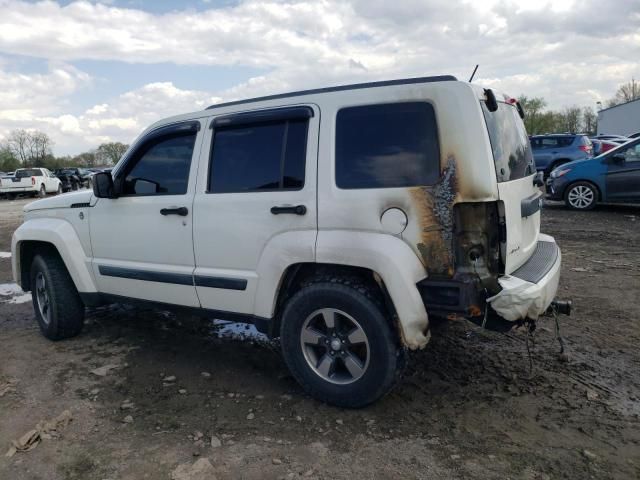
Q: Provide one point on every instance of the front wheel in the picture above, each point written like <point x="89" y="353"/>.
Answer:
<point x="58" y="307"/>
<point x="339" y="345"/>
<point x="581" y="196"/>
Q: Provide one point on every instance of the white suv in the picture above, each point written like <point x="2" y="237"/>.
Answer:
<point x="336" y="219"/>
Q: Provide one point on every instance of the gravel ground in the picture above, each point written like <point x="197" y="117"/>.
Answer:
<point x="468" y="407"/>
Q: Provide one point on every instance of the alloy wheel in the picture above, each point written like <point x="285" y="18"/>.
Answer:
<point x="335" y="346"/>
<point x="42" y="297"/>
<point x="581" y="197"/>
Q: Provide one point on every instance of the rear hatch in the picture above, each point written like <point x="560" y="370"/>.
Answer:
<point x="520" y="199"/>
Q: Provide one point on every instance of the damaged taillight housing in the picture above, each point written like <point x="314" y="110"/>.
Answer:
<point x="477" y="237"/>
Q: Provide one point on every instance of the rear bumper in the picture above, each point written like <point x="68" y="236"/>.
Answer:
<point x="5" y="190"/>
<point x="528" y="292"/>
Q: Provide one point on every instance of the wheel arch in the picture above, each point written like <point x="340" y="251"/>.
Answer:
<point x="375" y="255"/>
<point x="556" y="163"/>
<point x="298" y="274"/>
<point x="50" y="235"/>
<point x="590" y="182"/>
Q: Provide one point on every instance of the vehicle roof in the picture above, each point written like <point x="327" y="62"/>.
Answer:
<point x="339" y="88"/>
<point x="558" y="135"/>
<point x="208" y="111"/>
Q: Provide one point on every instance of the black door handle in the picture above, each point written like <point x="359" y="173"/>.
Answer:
<point x="182" y="211"/>
<point x="295" y="209"/>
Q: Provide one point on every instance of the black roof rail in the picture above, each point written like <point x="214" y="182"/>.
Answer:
<point x="339" y="88"/>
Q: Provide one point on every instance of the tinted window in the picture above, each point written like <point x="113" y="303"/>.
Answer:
<point x="509" y="142"/>
<point x="162" y="167"/>
<point x="30" y="172"/>
<point x="263" y="156"/>
<point x="632" y="154"/>
<point x="380" y="146"/>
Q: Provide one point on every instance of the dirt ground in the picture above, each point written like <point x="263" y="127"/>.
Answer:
<point x="468" y="407"/>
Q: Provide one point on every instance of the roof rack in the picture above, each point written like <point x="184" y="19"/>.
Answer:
<point x="339" y="88"/>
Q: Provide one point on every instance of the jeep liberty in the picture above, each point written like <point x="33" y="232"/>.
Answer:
<point x="338" y="219"/>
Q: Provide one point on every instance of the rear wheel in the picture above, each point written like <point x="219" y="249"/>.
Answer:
<point x="581" y="196"/>
<point x="42" y="192"/>
<point x="59" y="190"/>
<point x="57" y="305"/>
<point x="555" y="165"/>
<point x="339" y="345"/>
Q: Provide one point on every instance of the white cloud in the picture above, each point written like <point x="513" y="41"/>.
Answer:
<point x="570" y="52"/>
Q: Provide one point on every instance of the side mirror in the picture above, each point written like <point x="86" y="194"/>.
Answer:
<point x="103" y="185"/>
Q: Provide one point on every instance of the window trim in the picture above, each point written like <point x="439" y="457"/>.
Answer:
<point x="245" y="119"/>
<point x="157" y="135"/>
<point x="409" y="101"/>
<point x="262" y="116"/>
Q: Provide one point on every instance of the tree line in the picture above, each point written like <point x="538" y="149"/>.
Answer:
<point x="32" y="148"/>
<point x="574" y="119"/>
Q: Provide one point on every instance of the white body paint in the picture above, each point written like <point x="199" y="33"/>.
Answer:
<point x="233" y="236"/>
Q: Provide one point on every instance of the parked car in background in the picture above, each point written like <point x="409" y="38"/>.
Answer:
<point x="607" y="136"/>
<point x="69" y="178"/>
<point x="603" y="146"/>
<point x="635" y="135"/>
<point x="32" y="181"/>
<point x="82" y="174"/>
<point x="551" y="151"/>
<point x="613" y="177"/>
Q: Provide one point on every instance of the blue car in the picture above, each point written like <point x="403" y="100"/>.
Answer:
<point x="613" y="177"/>
<point x="551" y="151"/>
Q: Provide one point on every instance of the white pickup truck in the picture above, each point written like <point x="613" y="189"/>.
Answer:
<point x="34" y="181"/>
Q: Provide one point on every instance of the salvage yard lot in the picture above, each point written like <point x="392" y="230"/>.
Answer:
<point x="468" y="406"/>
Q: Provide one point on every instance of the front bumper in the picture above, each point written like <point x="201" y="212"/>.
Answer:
<point x="528" y="292"/>
<point x="555" y="188"/>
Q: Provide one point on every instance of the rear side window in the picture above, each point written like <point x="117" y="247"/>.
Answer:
<point x="387" y="145"/>
<point x="259" y="157"/>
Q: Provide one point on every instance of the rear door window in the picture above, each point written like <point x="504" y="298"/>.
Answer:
<point x="387" y="145"/>
<point x="258" y="156"/>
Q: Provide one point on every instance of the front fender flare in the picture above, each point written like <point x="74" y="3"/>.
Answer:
<point x="63" y="237"/>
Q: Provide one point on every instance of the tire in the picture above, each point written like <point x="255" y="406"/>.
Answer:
<point x="42" y="192"/>
<point x="581" y="196"/>
<point x="59" y="190"/>
<point x="324" y="360"/>
<point x="553" y="166"/>
<point x="57" y="305"/>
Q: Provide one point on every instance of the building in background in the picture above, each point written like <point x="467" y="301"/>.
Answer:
<point x="623" y="119"/>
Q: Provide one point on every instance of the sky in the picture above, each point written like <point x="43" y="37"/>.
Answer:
<point x="88" y="72"/>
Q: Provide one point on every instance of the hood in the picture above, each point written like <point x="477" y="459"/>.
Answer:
<point x="577" y="163"/>
<point x="64" y="200"/>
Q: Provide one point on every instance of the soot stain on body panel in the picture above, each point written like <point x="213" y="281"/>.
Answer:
<point x="434" y="205"/>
